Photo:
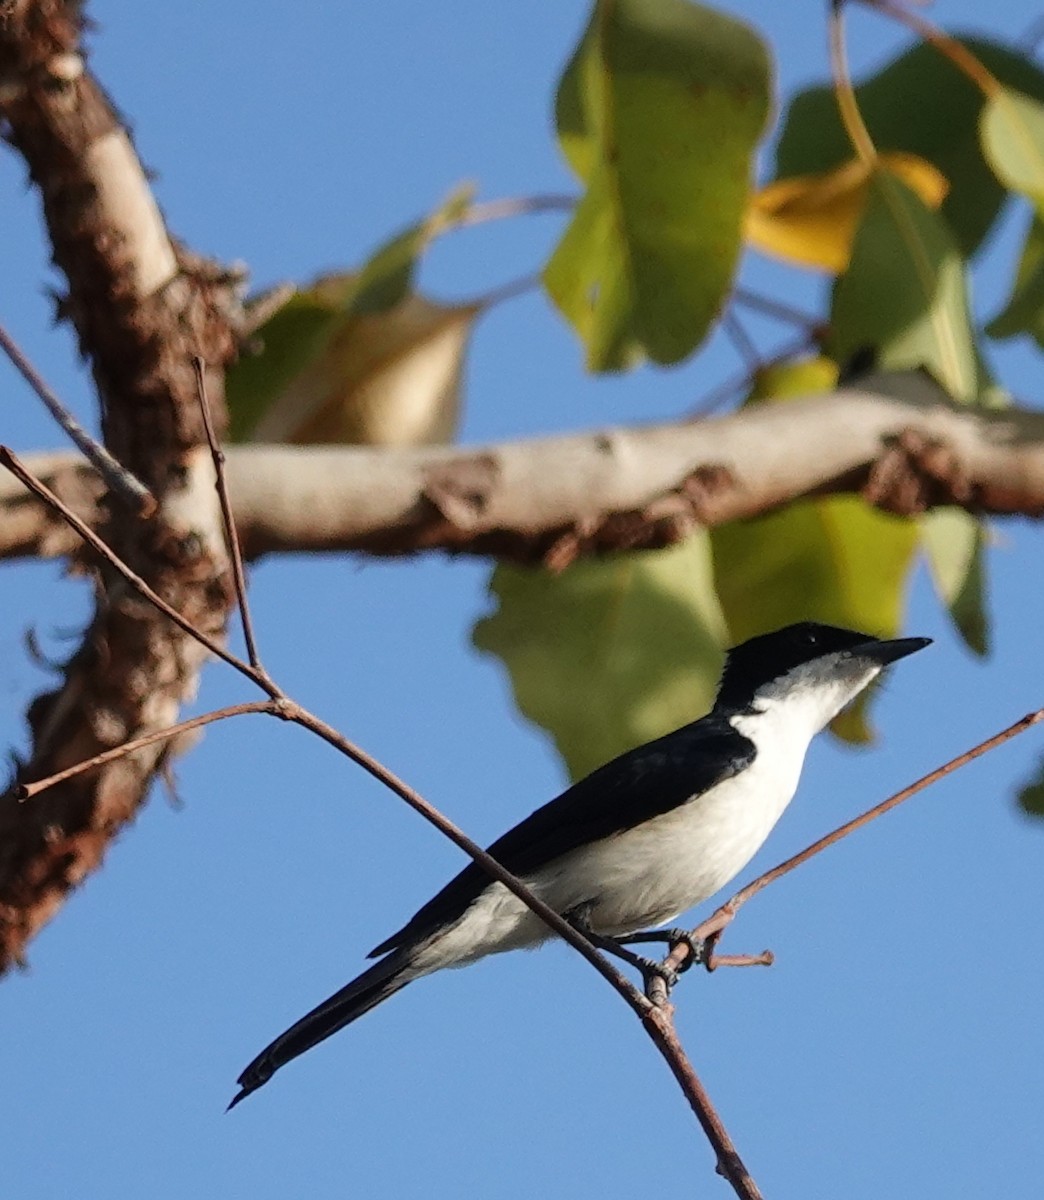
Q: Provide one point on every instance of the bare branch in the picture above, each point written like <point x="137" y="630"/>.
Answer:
<point x="513" y="206"/>
<point x="905" y="449"/>
<point x="11" y="461"/>
<point x="660" y="1027"/>
<point x="231" y="536"/>
<point x="26" y="791"/>
<point x="130" y="490"/>
<point x="769" y="306"/>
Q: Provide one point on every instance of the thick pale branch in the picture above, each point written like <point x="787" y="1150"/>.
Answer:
<point x="900" y="443"/>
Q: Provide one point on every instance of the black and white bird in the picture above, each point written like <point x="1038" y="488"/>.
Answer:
<point x="640" y="840"/>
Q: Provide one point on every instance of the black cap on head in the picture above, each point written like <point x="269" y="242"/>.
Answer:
<point x="771" y="655"/>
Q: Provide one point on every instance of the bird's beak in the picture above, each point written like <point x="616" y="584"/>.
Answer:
<point x="890" y="651"/>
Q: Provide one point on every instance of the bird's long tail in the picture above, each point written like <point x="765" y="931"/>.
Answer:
<point x="382" y="980"/>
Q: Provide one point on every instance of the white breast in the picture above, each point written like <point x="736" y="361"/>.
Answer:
<point x="646" y="876"/>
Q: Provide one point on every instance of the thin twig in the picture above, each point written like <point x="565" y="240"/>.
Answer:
<point x="10" y="460"/>
<point x="509" y="291"/>
<point x="307" y="720"/>
<point x="957" y="53"/>
<point x="656" y="1019"/>
<point x="513" y="206"/>
<point x="778" y="310"/>
<point x="123" y="483"/>
<point x="660" y="1027"/>
<point x="741" y="342"/>
<point x="25" y="791"/>
<point x="232" y="537"/>
<point x="734" y="387"/>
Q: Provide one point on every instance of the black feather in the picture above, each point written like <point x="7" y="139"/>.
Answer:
<point x="363" y="993"/>
<point x="641" y="784"/>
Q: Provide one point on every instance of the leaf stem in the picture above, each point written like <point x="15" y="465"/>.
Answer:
<point x="847" y="104"/>
<point x="959" y="55"/>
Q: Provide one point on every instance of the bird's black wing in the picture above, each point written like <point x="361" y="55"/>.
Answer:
<point x="641" y="784"/>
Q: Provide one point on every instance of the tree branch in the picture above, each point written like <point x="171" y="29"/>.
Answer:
<point x="141" y="309"/>
<point x="898" y="441"/>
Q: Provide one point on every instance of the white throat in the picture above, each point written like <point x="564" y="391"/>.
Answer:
<point x="786" y="715"/>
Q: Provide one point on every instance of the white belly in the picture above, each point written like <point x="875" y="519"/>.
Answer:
<point x="647" y="876"/>
<point x="643" y="877"/>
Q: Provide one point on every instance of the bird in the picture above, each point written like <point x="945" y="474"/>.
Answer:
<point x="637" y="842"/>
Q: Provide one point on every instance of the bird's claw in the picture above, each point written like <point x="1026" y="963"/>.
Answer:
<point x="696" y="946"/>
<point x="651" y="970"/>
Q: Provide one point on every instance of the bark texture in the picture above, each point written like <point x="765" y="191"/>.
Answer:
<point x="898" y="441"/>
<point x="141" y="310"/>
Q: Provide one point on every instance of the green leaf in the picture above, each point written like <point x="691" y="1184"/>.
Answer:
<point x="1012" y="127"/>
<point x="1031" y="794"/>
<point x="390" y="378"/>
<point x="658" y="112"/>
<point x="388" y="275"/>
<point x="955" y="543"/>
<point x="1024" y="312"/>
<point x="836" y="560"/>
<point x="312" y="353"/>
<point x="922" y="104"/>
<point x="904" y="295"/>
<point x="294" y="337"/>
<point x="612" y="652"/>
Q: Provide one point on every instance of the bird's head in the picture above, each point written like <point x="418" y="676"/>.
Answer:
<point x="816" y="669"/>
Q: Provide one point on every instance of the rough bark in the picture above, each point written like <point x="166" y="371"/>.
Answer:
<point x="141" y="310"/>
<point x="900" y="443"/>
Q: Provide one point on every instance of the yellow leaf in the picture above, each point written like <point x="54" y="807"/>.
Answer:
<point x="388" y="378"/>
<point x="811" y="220"/>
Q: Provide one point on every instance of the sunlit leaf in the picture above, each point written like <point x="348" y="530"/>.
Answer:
<point x="835" y="560"/>
<point x="658" y="112"/>
<point x="388" y="275"/>
<point x="389" y="378"/>
<point x="811" y="220"/>
<point x="1013" y="138"/>
<point x="1024" y="312"/>
<point x="612" y="652"/>
<point x="922" y="104"/>
<point x="1031" y="794"/>
<point x="904" y="295"/>
<point x="357" y="357"/>
<point x="1012" y="128"/>
<point x="955" y="543"/>
<point x="289" y="340"/>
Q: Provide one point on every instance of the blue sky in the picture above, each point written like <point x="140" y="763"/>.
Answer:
<point x="895" y="1046"/>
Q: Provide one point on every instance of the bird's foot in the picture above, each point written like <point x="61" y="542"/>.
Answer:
<point x="649" y="968"/>
<point x="697" y="947"/>
<point x="652" y="969"/>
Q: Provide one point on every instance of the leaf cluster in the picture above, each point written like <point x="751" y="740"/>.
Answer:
<point x="887" y="190"/>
